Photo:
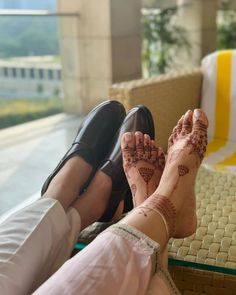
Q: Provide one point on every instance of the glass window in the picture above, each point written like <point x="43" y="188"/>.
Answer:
<point x="59" y="74"/>
<point x="5" y="72"/>
<point x="14" y="73"/>
<point x="50" y="74"/>
<point x="41" y="74"/>
<point x="22" y="73"/>
<point x="32" y="73"/>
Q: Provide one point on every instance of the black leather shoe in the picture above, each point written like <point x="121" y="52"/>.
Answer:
<point x="93" y="139"/>
<point x="138" y="119"/>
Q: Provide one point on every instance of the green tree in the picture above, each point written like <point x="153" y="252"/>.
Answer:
<point x="161" y="37"/>
<point x="226" y="28"/>
<point x="23" y="36"/>
<point x="57" y="92"/>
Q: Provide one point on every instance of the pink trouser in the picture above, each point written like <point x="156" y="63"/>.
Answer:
<point x="37" y="240"/>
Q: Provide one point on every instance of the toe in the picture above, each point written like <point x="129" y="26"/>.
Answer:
<point x="128" y="141"/>
<point x="154" y="152"/>
<point x="179" y="125"/>
<point x="128" y="146"/>
<point x="172" y="137"/>
<point x="199" y="134"/>
<point x="176" y="131"/>
<point x="147" y="146"/>
<point x="200" y="121"/>
<point x="187" y="123"/>
<point x="139" y="141"/>
<point x="161" y="158"/>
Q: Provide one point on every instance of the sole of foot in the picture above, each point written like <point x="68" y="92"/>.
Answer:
<point x="143" y="164"/>
<point x="187" y="145"/>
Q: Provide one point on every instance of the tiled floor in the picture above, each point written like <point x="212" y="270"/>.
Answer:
<point x="28" y="153"/>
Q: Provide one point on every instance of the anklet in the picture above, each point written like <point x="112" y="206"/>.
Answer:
<point x="165" y="208"/>
<point x="162" y="217"/>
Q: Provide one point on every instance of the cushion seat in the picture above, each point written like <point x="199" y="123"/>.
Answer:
<point x="221" y="155"/>
<point x="219" y="103"/>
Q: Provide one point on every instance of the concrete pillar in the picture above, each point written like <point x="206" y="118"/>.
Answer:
<point x="99" y="47"/>
<point x="199" y="18"/>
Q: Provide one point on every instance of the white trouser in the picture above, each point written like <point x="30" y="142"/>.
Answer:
<point x="37" y="240"/>
<point x="34" y="243"/>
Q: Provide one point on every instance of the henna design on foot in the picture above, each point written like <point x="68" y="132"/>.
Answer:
<point x="198" y="142"/>
<point x="187" y="146"/>
<point x="143" y="164"/>
<point x="164" y="207"/>
<point x="195" y="137"/>
<point x="183" y="170"/>
<point x="133" y="188"/>
<point x="176" y="131"/>
<point x="146" y="173"/>
<point x="143" y="211"/>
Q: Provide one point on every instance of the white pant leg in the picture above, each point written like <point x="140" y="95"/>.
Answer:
<point x="34" y="242"/>
<point x="122" y="260"/>
<point x="118" y="261"/>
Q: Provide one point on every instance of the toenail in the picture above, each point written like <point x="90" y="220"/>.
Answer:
<point x="128" y="136"/>
<point x="197" y="113"/>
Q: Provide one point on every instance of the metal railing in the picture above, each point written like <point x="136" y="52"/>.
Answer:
<point x="31" y="12"/>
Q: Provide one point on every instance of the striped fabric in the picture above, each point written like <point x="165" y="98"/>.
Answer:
<point x="219" y="103"/>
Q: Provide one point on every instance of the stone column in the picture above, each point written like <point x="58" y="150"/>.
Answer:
<point x="199" y="18"/>
<point x="99" y="47"/>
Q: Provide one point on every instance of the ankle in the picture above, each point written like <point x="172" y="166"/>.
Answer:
<point x="150" y="223"/>
<point x="165" y="208"/>
<point x="93" y="202"/>
<point x="66" y="185"/>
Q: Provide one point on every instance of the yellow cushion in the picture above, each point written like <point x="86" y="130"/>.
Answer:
<point x="219" y="102"/>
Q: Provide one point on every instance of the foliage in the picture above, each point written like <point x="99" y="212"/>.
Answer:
<point x="16" y="111"/>
<point x="226" y="28"/>
<point x="23" y="36"/>
<point x="40" y="88"/>
<point x="57" y="92"/>
<point x="161" y="38"/>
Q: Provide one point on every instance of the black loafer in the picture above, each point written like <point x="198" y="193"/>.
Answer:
<point x="138" y="119"/>
<point x="94" y="136"/>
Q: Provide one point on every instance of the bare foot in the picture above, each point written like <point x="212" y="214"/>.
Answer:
<point x="143" y="164"/>
<point x="187" y="145"/>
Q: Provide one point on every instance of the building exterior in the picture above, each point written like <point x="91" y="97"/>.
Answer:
<point x="30" y="77"/>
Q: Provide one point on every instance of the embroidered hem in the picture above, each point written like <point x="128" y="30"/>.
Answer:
<point x="148" y="247"/>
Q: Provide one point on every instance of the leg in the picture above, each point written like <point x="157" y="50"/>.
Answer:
<point x="143" y="164"/>
<point x="32" y="238"/>
<point x="99" y="256"/>
<point x="92" y="203"/>
<point x="38" y="239"/>
<point x="177" y="183"/>
<point x="128" y="249"/>
<point x="66" y="185"/>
